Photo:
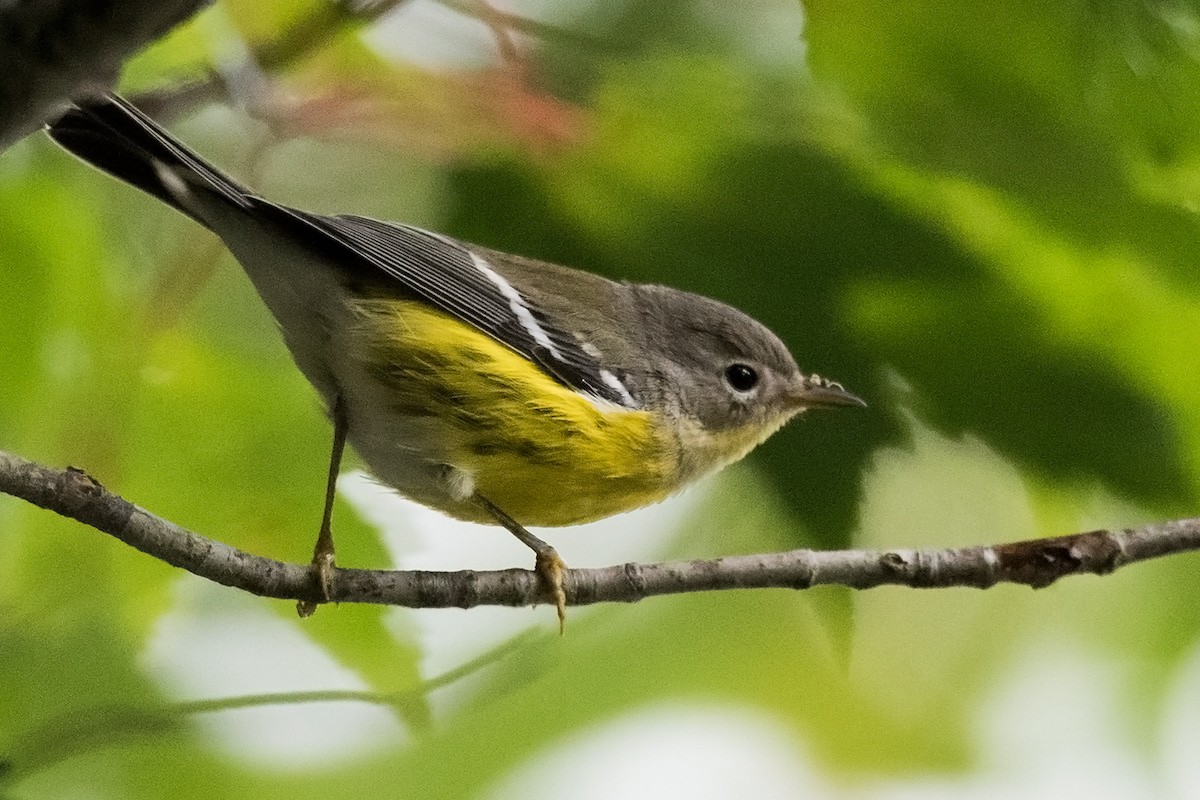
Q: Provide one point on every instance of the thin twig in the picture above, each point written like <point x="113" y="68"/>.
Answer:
<point x="1036" y="563"/>
<point x="304" y="38"/>
<point x="85" y="730"/>
<point x="535" y="28"/>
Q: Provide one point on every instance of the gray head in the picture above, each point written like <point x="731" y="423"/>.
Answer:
<point x="728" y="370"/>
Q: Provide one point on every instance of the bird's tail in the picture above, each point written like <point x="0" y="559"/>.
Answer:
<point x="111" y="134"/>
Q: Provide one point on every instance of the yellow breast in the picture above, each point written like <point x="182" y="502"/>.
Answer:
<point x="544" y="453"/>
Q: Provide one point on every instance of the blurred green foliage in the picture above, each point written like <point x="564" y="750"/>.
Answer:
<point x="981" y="218"/>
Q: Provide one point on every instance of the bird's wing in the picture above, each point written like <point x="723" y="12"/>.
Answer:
<point x="465" y="284"/>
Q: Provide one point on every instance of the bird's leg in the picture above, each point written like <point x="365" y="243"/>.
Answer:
<point x="548" y="563"/>
<point x="322" y="559"/>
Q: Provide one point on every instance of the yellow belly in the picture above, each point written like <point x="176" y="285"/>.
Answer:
<point x="544" y="453"/>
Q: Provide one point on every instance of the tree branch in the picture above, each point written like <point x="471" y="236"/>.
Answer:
<point x="51" y="50"/>
<point x="1036" y="563"/>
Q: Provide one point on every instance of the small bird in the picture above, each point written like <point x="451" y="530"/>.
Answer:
<point x="491" y="387"/>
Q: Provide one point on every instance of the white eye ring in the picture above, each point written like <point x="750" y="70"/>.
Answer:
<point x="742" y="378"/>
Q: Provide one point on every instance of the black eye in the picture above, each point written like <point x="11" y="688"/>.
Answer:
<point x="741" y="377"/>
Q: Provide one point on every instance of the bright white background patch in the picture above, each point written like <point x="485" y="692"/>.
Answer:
<point x="698" y="752"/>
<point x="218" y="643"/>
<point x="1083" y="748"/>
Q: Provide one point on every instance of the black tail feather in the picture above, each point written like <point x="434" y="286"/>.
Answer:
<point x="114" y="136"/>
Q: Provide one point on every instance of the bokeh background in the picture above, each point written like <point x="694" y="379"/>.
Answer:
<point x="980" y="217"/>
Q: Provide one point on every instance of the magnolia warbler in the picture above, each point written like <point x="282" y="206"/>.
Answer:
<point x="491" y="387"/>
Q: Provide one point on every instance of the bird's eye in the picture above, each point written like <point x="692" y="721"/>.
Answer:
<point x="741" y="377"/>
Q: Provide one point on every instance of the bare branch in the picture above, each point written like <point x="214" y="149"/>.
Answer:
<point x="1036" y="563"/>
<point x="51" y="50"/>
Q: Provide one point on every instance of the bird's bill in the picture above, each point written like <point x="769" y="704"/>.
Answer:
<point x="816" y="392"/>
